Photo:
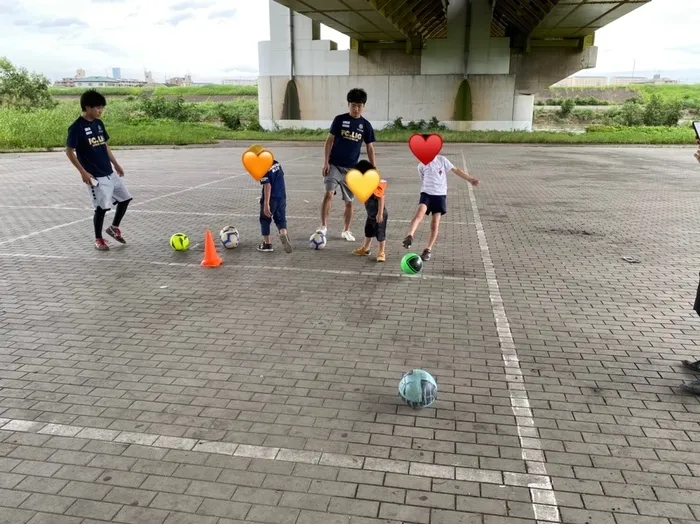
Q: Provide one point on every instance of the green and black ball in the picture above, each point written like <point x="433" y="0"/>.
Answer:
<point x="411" y="263"/>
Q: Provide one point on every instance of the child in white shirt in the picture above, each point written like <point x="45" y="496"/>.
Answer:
<point x="433" y="198"/>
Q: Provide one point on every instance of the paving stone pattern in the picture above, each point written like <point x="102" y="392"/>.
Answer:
<point x="137" y="387"/>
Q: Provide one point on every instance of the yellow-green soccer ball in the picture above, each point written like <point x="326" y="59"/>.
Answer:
<point x="179" y="242"/>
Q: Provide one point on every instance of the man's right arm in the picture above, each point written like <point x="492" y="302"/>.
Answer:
<point x="70" y="153"/>
<point x="71" y="145"/>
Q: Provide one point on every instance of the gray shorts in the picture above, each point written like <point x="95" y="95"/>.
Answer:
<point x="335" y="178"/>
<point x="109" y="191"/>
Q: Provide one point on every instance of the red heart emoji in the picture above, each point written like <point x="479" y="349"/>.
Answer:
<point x="425" y="147"/>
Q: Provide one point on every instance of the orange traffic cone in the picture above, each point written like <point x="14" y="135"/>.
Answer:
<point x="211" y="259"/>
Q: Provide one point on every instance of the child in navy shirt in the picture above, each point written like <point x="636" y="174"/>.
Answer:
<point x="273" y="206"/>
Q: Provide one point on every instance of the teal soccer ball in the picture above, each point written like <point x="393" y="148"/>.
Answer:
<point x="418" y="388"/>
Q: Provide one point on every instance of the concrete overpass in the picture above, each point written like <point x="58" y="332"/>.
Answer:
<point x="472" y="64"/>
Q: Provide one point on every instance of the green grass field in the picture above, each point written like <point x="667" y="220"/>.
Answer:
<point x="128" y="125"/>
<point x="689" y="94"/>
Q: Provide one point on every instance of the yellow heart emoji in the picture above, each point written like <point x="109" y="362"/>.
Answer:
<point x="257" y="163"/>
<point x="362" y="186"/>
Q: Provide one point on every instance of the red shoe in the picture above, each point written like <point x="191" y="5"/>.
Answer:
<point x="101" y="245"/>
<point x="116" y="234"/>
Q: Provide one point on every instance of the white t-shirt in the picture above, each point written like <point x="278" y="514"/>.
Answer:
<point x="434" y="175"/>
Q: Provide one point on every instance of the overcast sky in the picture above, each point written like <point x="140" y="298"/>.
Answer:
<point x="214" y="39"/>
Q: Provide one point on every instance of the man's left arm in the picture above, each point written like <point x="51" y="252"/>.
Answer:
<point x="371" y="155"/>
<point x="369" y="144"/>
<point x="116" y="165"/>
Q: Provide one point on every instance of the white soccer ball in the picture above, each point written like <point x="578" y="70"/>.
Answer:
<point x="229" y="237"/>
<point x="318" y="240"/>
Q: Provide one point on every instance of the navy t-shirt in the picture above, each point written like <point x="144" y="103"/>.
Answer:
<point x="349" y="134"/>
<point x="89" y="139"/>
<point x="274" y="177"/>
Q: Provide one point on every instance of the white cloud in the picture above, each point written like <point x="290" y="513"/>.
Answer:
<point x="659" y="36"/>
<point x="213" y="39"/>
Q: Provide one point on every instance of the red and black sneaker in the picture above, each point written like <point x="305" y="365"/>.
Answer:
<point x="101" y="245"/>
<point x="116" y="234"/>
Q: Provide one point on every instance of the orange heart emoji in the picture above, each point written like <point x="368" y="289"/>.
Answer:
<point x="362" y="186"/>
<point x="257" y="162"/>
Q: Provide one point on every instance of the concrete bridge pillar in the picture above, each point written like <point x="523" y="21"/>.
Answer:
<point x="468" y="81"/>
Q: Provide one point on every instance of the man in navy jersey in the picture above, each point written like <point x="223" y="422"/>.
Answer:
<point x="342" y="152"/>
<point x="87" y="149"/>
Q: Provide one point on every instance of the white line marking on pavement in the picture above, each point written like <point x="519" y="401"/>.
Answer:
<point x="261" y="452"/>
<point x="235" y="266"/>
<point x="544" y="502"/>
<point x="67" y="224"/>
<point x="202" y="214"/>
<point x="138" y="203"/>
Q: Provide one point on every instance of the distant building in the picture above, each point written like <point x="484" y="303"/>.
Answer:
<point x="149" y="77"/>
<point x="583" y="81"/>
<point x="240" y="81"/>
<point x="657" y="79"/>
<point x="603" y="81"/>
<point x="105" y="81"/>
<point x="627" y="80"/>
<point x="80" y="80"/>
<point x="180" y="81"/>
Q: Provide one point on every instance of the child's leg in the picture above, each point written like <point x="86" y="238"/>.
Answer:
<point x="381" y="237"/>
<point x="265" y="222"/>
<point x="280" y="215"/>
<point x="420" y="214"/>
<point x="434" y="229"/>
<point x="370" y="232"/>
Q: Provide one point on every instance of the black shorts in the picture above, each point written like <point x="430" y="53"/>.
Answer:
<point x="372" y="229"/>
<point x="434" y="203"/>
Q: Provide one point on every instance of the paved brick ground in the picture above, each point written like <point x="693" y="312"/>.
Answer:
<point x="137" y="387"/>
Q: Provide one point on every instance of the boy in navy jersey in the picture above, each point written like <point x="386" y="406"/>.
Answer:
<point x="342" y="152"/>
<point x="273" y="205"/>
<point x="87" y="149"/>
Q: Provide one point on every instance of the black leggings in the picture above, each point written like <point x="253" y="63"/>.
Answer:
<point x="98" y="219"/>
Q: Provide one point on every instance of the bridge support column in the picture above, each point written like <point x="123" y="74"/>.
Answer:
<point x="468" y="81"/>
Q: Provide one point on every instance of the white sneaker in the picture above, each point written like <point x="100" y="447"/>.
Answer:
<point x="348" y="236"/>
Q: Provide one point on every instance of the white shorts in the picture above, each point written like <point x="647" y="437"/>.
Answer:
<point x="109" y="191"/>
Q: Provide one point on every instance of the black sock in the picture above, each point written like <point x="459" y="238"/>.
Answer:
<point x="98" y="221"/>
<point x="121" y="211"/>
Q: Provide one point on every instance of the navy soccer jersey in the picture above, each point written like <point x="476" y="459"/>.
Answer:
<point x="349" y="134"/>
<point x="89" y="139"/>
<point x="274" y="177"/>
